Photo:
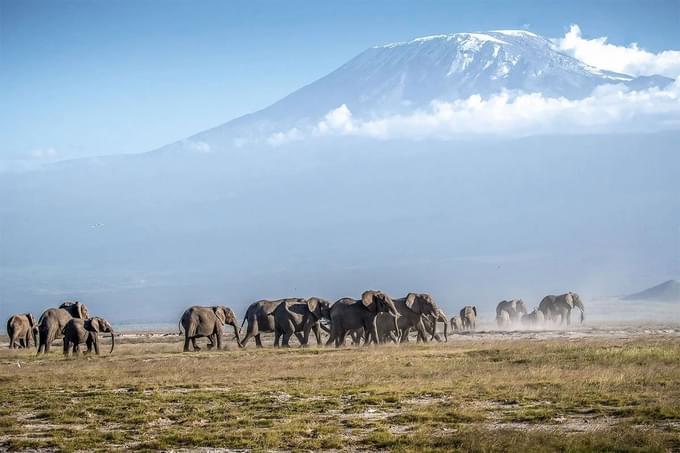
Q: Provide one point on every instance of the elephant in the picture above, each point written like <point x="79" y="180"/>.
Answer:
<point x="514" y="309"/>
<point x="294" y="317"/>
<point x="53" y="321"/>
<point x="260" y="319"/>
<point x="21" y="328"/>
<point x="412" y="309"/>
<point x="208" y="322"/>
<point x="86" y="331"/>
<point x="348" y="314"/>
<point x="534" y="318"/>
<point x="430" y="323"/>
<point x="468" y="317"/>
<point x="456" y="324"/>
<point x="559" y="307"/>
<point x="503" y="318"/>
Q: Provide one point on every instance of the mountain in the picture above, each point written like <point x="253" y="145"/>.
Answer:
<point x="471" y="221"/>
<point x="668" y="291"/>
<point x="401" y="77"/>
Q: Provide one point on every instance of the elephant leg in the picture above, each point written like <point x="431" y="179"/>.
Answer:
<point x="277" y="338"/>
<point x="258" y="341"/>
<point x="186" y="342"/>
<point x="340" y="338"/>
<point x="66" y="346"/>
<point x="89" y="344"/>
<point x="305" y="335"/>
<point x="286" y="339"/>
<point x="404" y="335"/>
<point x="317" y="333"/>
<point x="219" y="339"/>
<point x="76" y="348"/>
<point x="95" y="342"/>
<point x="421" y="331"/>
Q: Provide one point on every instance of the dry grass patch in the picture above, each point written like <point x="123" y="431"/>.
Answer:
<point x="524" y="395"/>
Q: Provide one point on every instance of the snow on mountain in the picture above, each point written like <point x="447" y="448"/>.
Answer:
<point x="400" y="77"/>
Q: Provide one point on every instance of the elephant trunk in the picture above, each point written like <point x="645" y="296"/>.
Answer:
<point x="113" y="342"/>
<point x="446" y="334"/>
<point x="238" y="337"/>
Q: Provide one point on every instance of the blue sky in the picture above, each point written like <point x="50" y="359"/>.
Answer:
<point x="84" y="78"/>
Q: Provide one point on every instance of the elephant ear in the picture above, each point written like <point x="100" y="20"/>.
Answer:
<point x="313" y="304"/>
<point x="81" y="310"/>
<point x="410" y="300"/>
<point x="569" y="299"/>
<point x="93" y="324"/>
<point x="220" y="313"/>
<point x="368" y="299"/>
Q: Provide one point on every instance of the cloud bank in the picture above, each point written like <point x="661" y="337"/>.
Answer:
<point x="629" y="59"/>
<point x="610" y="108"/>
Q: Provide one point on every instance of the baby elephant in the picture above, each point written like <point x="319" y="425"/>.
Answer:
<point x="535" y="318"/>
<point x="456" y="324"/>
<point x="21" y="329"/>
<point x="78" y="331"/>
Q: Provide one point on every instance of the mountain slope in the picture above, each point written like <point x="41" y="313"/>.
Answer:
<point x="668" y="291"/>
<point x="400" y="77"/>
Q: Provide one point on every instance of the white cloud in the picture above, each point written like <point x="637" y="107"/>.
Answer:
<point x="610" y="108"/>
<point x="339" y="119"/>
<point x="281" y="138"/>
<point x="43" y="153"/>
<point x="626" y="59"/>
<point x="199" y="147"/>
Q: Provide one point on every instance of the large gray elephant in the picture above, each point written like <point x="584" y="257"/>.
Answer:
<point x="430" y="323"/>
<point x="558" y="308"/>
<point x="21" y="329"/>
<point x="350" y="314"/>
<point x="208" y="322"/>
<point x="412" y="309"/>
<point x="86" y="331"/>
<point x="292" y="317"/>
<point x="513" y="308"/>
<point x="260" y="319"/>
<point x="53" y="321"/>
<point x="468" y="317"/>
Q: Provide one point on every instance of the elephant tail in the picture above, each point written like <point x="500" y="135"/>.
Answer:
<point x="179" y="326"/>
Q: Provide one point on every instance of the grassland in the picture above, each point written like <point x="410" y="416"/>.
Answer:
<point x="482" y="394"/>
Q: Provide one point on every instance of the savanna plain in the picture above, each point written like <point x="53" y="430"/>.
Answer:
<point x="589" y="389"/>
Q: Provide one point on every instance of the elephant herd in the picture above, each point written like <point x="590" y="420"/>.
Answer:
<point x="552" y="309"/>
<point x="374" y="318"/>
<point x="70" y="321"/>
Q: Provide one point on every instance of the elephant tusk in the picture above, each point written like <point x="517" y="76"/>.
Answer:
<point x="113" y="342"/>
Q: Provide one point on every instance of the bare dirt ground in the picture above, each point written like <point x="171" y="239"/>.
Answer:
<point x="591" y="388"/>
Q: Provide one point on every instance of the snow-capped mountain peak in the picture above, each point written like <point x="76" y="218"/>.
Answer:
<point x="400" y="77"/>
